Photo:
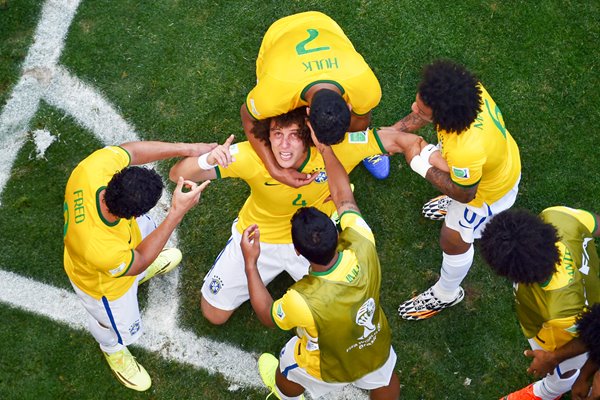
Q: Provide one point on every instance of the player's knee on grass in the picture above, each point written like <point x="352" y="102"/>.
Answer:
<point x="214" y="315"/>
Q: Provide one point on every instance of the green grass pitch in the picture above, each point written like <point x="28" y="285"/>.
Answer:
<point x="178" y="70"/>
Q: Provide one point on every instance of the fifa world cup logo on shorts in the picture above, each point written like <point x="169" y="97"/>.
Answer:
<point x="364" y="317"/>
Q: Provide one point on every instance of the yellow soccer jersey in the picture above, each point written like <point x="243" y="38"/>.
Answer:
<point x="97" y="253"/>
<point x="302" y="50"/>
<point x="547" y="312"/>
<point x="291" y="310"/>
<point x="484" y="154"/>
<point x="271" y="204"/>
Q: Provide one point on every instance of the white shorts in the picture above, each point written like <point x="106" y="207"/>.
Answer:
<point x="470" y="221"/>
<point x="116" y="323"/>
<point x="225" y="285"/>
<point x="113" y="323"/>
<point x="317" y="388"/>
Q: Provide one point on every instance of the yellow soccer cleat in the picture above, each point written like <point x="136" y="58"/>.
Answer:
<point x="267" y="367"/>
<point x="128" y="371"/>
<point x="165" y="262"/>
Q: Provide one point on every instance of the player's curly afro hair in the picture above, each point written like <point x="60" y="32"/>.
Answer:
<point x="520" y="246"/>
<point x="452" y="93"/>
<point x="314" y="235"/>
<point x="588" y="326"/>
<point x="262" y="128"/>
<point x="329" y="116"/>
<point x="133" y="191"/>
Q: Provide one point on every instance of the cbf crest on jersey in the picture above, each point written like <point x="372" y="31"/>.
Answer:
<point x="215" y="285"/>
<point x="321" y="177"/>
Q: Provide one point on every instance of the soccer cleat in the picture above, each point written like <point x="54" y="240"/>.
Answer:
<point x="524" y="394"/>
<point x="426" y="305"/>
<point x="267" y="367"/>
<point x="128" y="371"/>
<point x="436" y="208"/>
<point x="378" y="165"/>
<point x="165" y="262"/>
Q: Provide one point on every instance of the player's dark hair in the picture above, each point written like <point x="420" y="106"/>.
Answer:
<point x="520" y="246"/>
<point x="452" y="93"/>
<point x="314" y="235"/>
<point x="133" y="191"/>
<point x="588" y="325"/>
<point x="329" y="116"/>
<point x="262" y="128"/>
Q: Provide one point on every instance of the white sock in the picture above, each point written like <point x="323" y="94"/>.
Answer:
<point x="454" y="270"/>
<point x="552" y="386"/>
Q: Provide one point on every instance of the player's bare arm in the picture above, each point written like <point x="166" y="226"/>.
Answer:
<point x="260" y="298"/>
<point x="544" y="362"/>
<point x="338" y="180"/>
<point x="411" y="123"/>
<point x="195" y="169"/>
<point x="147" y="251"/>
<point x="442" y="181"/>
<point x="287" y="176"/>
<point x="589" y="374"/>
<point x="395" y="141"/>
<point x="144" y="152"/>
<point x="596" y="233"/>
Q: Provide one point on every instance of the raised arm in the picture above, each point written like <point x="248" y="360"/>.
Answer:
<point x="145" y="152"/>
<point x="287" y="176"/>
<point x="337" y="178"/>
<point x="260" y="298"/>
<point x="147" y="251"/>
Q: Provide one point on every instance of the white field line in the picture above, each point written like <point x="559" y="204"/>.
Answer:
<point x="43" y="79"/>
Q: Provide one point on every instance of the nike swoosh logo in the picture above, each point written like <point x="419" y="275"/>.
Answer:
<point x="271" y="184"/>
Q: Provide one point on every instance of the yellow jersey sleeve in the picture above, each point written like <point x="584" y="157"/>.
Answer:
<point x="465" y="157"/>
<point x="355" y="221"/>
<point x="291" y="311"/>
<point x="583" y="216"/>
<point x="556" y="333"/>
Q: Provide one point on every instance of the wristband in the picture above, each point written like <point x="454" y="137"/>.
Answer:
<point x="427" y="151"/>
<point x="203" y="162"/>
<point x="419" y="165"/>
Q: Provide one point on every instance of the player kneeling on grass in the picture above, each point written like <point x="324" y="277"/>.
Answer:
<point x="271" y="204"/>
<point x="553" y="264"/>
<point x="343" y="334"/>
<point x="112" y="246"/>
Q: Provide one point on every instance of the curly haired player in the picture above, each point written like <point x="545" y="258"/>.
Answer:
<point x="552" y="261"/>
